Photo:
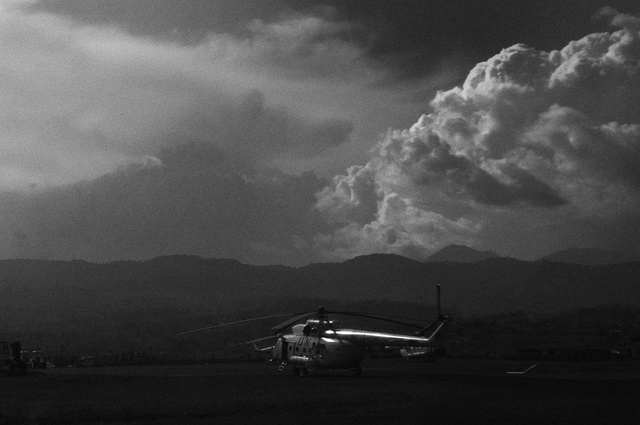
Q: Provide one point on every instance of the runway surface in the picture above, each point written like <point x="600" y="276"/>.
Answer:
<point x="388" y="392"/>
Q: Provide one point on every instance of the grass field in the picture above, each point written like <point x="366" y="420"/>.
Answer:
<point x="444" y="392"/>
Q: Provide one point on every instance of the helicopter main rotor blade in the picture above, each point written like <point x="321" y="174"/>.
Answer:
<point x="415" y="323"/>
<point x="279" y="328"/>
<point x="382" y="317"/>
<point x="253" y="341"/>
<point x="254" y="319"/>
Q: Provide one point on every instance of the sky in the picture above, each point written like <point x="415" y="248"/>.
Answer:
<point x="293" y="132"/>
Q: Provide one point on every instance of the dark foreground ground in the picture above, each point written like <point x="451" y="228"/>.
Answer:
<point x="444" y="392"/>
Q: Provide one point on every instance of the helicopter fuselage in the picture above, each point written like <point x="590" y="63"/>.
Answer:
<point x="315" y="345"/>
<point x="323" y="345"/>
<point x="314" y="353"/>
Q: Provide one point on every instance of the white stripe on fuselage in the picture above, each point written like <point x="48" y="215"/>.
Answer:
<point x="367" y="338"/>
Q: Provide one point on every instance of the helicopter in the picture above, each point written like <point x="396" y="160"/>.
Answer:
<point x="321" y="344"/>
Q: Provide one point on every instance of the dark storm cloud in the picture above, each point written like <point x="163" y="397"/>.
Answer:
<point x="189" y="22"/>
<point x="320" y="136"/>
<point x="193" y="203"/>
<point x="529" y="190"/>
<point x="208" y="192"/>
<point x="252" y="132"/>
<point x="414" y="38"/>
<point x="79" y="101"/>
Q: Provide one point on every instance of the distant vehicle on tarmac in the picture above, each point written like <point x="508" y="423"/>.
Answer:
<point x="425" y="353"/>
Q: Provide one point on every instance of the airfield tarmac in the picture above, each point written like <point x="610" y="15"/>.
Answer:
<point x="389" y="392"/>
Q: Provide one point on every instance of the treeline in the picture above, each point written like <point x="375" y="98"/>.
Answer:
<point x="74" y="307"/>
<point x="496" y="335"/>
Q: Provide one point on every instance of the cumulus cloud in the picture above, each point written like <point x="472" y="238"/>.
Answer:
<point x="550" y="136"/>
<point x="399" y="227"/>
<point x="429" y="161"/>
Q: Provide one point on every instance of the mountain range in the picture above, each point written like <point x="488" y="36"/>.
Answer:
<point x="589" y="257"/>
<point x="584" y="256"/>
<point x="460" y="254"/>
<point x="141" y="303"/>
